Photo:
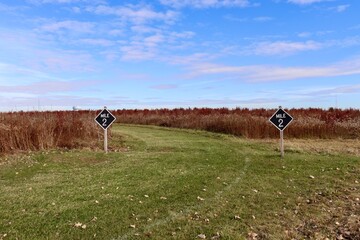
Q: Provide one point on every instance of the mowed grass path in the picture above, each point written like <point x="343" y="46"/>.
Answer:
<point x="159" y="183"/>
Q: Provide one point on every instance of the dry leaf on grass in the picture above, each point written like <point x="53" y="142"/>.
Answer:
<point x="202" y="236"/>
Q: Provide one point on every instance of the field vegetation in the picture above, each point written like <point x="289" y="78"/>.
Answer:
<point x="162" y="183"/>
<point x="308" y="123"/>
<point x="24" y="131"/>
<point x="30" y="131"/>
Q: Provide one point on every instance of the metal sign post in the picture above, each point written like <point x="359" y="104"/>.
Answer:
<point x="282" y="143"/>
<point x="105" y="119"/>
<point x="105" y="141"/>
<point x="281" y="120"/>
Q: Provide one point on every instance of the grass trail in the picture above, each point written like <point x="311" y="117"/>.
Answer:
<point x="159" y="183"/>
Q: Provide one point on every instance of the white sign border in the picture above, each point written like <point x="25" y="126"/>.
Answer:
<point x="100" y="114"/>
<point x="276" y="125"/>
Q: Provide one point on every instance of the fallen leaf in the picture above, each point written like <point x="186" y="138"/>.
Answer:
<point x="252" y="235"/>
<point x="78" y="224"/>
<point x="132" y="226"/>
<point x="202" y="236"/>
<point x="216" y="236"/>
<point x="237" y="217"/>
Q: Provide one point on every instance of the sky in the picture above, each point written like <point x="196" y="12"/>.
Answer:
<point x="56" y="54"/>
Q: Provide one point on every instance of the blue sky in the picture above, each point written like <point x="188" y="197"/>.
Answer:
<point x="55" y="54"/>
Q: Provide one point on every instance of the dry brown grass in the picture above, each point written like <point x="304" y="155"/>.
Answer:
<point x="29" y="131"/>
<point x="26" y="131"/>
<point x="308" y="123"/>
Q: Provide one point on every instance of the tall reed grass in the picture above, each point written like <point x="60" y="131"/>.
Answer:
<point x="308" y="123"/>
<point x="70" y="129"/>
<point x="26" y="131"/>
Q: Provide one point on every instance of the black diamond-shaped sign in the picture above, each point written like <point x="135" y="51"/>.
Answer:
<point x="281" y="119"/>
<point x="105" y="118"/>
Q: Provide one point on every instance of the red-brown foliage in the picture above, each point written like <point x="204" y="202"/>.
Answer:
<point x="46" y="130"/>
<point x="308" y="123"/>
<point x="69" y="129"/>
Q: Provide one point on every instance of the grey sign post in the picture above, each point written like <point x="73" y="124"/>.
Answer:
<point x="281" y="119"/>
<point x="105" y="119"/>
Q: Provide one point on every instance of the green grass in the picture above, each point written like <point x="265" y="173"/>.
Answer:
<point x="177" y="184"/>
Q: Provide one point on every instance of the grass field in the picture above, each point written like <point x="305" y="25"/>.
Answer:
<point x="160" y="183"/>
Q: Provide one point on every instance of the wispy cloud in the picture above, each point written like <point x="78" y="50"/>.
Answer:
<point x="282" y="47"/>
<point x="340" y="8"/>
<point x="330" y="91"/>
<point x="285" y="48"/>
<point x="268" y="73"/>
<point x="142" y="49"/>
<point x="39" y="54"/>
<point x="76" y="26"/>
<point x="96" y="42"/>
<point x="263" y="19"/>
<point x="164" y="86"/>
<point x="154" y="46"/>
<point x="65" y="1"/>
<point x="233" y="18"/>
<point x="46" y="87"/>
<point x="205" y="3"/>
<point x="11" y="9"/>
<point x="135" y="13"/>
<point x="306" y="2"/>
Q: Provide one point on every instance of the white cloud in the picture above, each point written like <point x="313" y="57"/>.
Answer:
<point x="186" y="34"/>
<point x="135" y="13"/>
<point x="306" y="2"/>
<point x="304" y="34"/>
<point x="345" y="89"/>
<point x="268" y="73"/>
<point x="65" y="1"/>
<point x="137" y="51"/>
<point x="340" y="8"/>
<point x="116" y="32"/>
<point x="282" y="47"/>
<point x="96" y="42"/>
<point x="11" y="9"/>
<point x="263" y="19"/>
<point x="205" y="3"/>
<point x="155" y="46"/>
<point x="76" y="26"/>
<point x="164" y="86"/>
<point x="46" y="87"/>
<point x="144" y="29"/>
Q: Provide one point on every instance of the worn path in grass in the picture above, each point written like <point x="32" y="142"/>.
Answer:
<point x="159" y="183"/>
